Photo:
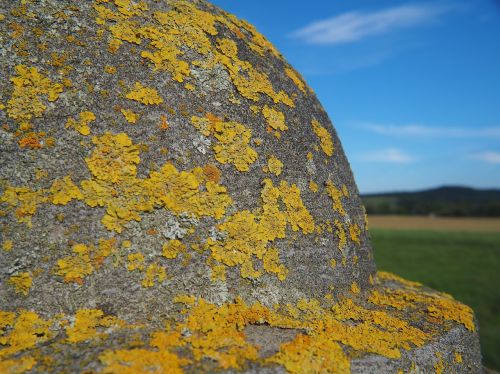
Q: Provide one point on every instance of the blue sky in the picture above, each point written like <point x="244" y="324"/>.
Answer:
<point x="413" y="88"/>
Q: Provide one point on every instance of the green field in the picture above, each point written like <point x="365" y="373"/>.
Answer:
<point x="463" y="264"/>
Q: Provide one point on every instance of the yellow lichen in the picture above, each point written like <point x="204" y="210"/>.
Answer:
<point x="341" y="235"/>
<point x="7" y="245"/>
<point x="82" y="126"/>
<point x="130" y="116"/>
<point x="354" y="232"/>
<point x="135" y="261"/>
<point x="86" y="324"/>
<point x="21" y="282"/>
<point x="324" y="136"/>
<point x="154" y="272"/>
<point x="29" y="88"/>
<point x="274" y="165"/>
<point x="64" y="190"/>
<point x="310" y="354"/>
<point x="294" y="76"/>
<point x="275" y="119"/>
<point x="355" y="288"/>
<point x="313" y="186"/>
<point x="438" y="306"/>
<point x="233" y="140"/>
<point x="297" y="214"/>
<point x="27" y="330"/>
<point x="172" y="248"/>
<point x="336" y="196"/>
<point x="144" y="95"/>
<point x="85" y="260"/>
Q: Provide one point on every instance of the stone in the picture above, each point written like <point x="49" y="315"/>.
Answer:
<point x="175" y="199"/>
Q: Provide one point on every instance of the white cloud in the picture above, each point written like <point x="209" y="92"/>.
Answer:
<point x="390" y="155"/>
<point x="427" y="131"/>
<point x="354" y="26"/>
<point x="489" y="157"/>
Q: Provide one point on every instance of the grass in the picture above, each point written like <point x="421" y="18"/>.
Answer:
<point x="463" y="264"/>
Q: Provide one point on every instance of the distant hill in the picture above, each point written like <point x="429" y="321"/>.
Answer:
<point x="442" y="201"/>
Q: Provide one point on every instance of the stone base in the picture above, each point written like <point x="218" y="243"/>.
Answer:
<point x="398" y="326"/>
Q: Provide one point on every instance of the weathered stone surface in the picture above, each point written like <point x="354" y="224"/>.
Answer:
<point x="174" y="198"/>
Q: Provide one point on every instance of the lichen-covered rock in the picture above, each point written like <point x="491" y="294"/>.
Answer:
<point x="174" y="199"/>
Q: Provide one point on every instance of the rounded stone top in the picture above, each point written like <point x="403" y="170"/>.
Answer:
<point x="157" y="148"/>
<point x="160" y="159"/>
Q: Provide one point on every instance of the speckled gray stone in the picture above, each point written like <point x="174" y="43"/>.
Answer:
<point x="68" y="43"/>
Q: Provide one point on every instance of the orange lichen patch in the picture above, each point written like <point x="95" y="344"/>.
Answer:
<point x="458" y="358"/>
<point x="233" y="140"/>
<point x="82" y="125"/>
<point x="163" y="123"/>
<point x="274" y="165"/>
<point x="294" y="76"/>
<point x="31" y="140"/>
<point x="130" y="116"/>
<point x="25" y="329"/>
<point x="85" y="261"/>
<point x="86" y="324"/>
<point x="172" y="248"/>
<point x="275" y="118"/>
<point x="438" y="306"/>
<point x="29" y="88"/>
<point x="64" y="190"/>
<point x="354" y="232"/>
<point x="144" y="95"/>
<point x="212" y="173"/>
<point x="135" y="261"/>
<point x="21" y="282"/>
<point x="324" y="136"/>
<point x="154" y="272"/>
<point x="7" y="245"/>
<point x="309" y="354"/>
<point x="336" y="196"/>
